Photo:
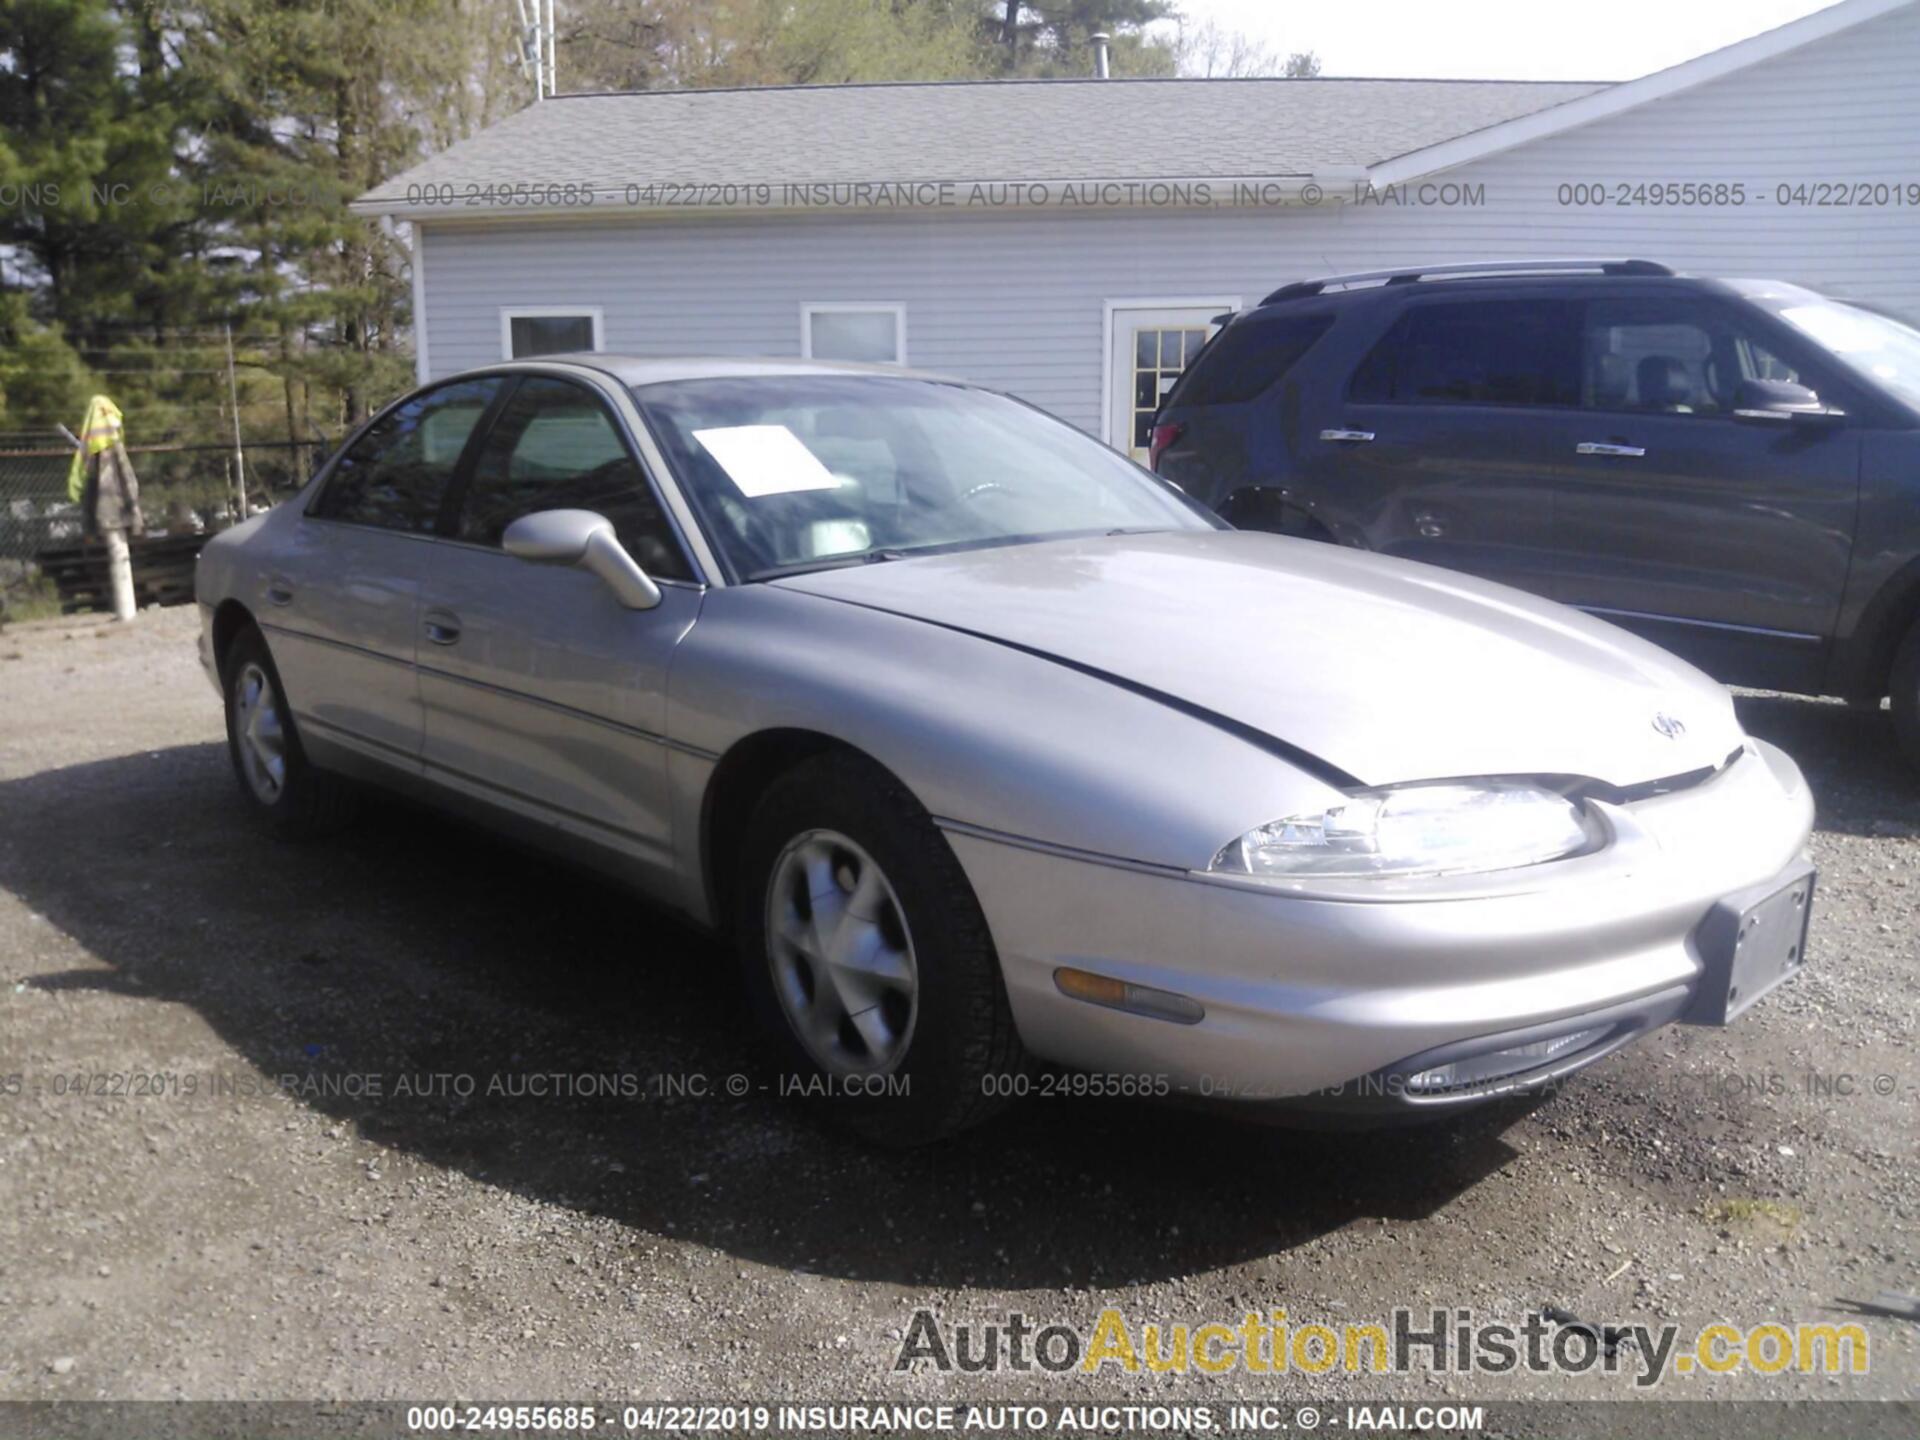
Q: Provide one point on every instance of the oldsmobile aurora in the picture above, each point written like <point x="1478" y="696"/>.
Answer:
<point x="985" y="746"/>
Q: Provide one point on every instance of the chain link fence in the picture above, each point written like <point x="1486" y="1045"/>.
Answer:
<point x="185" y="490"/>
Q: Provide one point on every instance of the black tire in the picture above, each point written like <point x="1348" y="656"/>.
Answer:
<point x="1903" y="689"/>
<point x="306" y="801"/>
<point x="961" y="1039"/>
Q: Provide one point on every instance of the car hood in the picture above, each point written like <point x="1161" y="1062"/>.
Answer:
<point x="1386" y="670"/>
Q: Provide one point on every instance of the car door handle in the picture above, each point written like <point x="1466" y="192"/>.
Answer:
<point x="279" y="592"/>
<point x="1624" y="452"/>
<point x="1347" y="437"/>
<point x="442" y="628"/>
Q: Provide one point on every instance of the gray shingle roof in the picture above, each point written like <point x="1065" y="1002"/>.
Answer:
<point x="1044" y="130"/>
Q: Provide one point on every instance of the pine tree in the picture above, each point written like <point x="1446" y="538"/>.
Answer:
<point x="308" y="104"/>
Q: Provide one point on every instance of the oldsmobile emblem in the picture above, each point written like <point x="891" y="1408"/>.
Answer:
<point x="1668" y="726"/>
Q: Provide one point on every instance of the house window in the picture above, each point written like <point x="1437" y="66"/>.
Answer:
<point x="1159" y="355"/>
<point x="552" y="331"/>
<point x="872" y="332"/>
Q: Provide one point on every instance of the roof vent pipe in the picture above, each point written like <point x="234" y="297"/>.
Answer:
<point x="1100" y="41"/>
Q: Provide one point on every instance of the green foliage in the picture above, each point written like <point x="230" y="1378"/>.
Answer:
<point x="303" y="107"/>
<point x="689" y="44"/>
<point x="175" y="169"/>
<point x="25" y="594"/>
<point x="827" y="42"/>
<point x="180" y="168"/>
<point x="1055" y="38"/>
<point x="40" y="374"/>
<point x="1207" y="51"/>
<point x="90" y="148"/>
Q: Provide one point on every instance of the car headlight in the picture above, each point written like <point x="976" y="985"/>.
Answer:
<point x="1438" y="829"/>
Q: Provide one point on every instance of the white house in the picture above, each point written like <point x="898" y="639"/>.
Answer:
<point x="1071" y="240"/>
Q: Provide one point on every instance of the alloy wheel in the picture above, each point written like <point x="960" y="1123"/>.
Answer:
<point x="261" y="734"/>
<point x="843" y="961"/>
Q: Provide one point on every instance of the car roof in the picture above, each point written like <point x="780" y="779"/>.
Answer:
<point x="1754" y="289"/>
<point x="1489" y="278"/>
<point x="637" y="370"/>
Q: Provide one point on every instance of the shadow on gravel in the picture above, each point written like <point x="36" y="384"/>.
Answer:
<point x="1862" y="784"/>
<point x="412" y="947"/>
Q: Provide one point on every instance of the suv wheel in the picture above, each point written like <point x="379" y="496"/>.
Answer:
<point x="1903" y="686"/>
<point x="866" y="957"/>
<point x="1270" y="511"/>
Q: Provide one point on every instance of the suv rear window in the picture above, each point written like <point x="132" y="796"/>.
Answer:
<point x="1247" y="358"/>
<point x="1485" y="352"/>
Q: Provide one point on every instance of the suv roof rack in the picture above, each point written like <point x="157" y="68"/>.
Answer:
<point x="1403" y="276"/>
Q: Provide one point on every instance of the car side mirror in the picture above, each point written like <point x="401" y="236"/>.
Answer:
<point x="586" y="540"/>
<point x="1782" y="402"/>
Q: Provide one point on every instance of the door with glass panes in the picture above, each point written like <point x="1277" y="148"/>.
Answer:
<point x="1151" y="344"/>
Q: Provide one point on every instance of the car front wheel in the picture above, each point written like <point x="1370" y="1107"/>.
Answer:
<point x="866" y="957"/>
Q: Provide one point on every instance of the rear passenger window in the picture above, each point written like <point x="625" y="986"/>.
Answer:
<point x="1248" y="358"/>
<point x="554" y="447"/>
<point x="396" y="474"/>
<point x="1488" y="352"/>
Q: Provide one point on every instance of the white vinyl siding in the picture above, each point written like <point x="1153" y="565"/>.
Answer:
<point x="1016" y="298"/>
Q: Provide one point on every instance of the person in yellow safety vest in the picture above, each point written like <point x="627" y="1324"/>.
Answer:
<point x="101" y="479"/>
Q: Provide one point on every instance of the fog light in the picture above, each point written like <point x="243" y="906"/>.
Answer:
<point x="1475" y="1070"/>
<point x="1119" y="995"/>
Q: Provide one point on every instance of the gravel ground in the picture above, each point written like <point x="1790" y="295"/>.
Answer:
<point x="671" y="1245"/>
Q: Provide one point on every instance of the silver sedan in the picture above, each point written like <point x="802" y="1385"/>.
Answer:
<point x="986" y="748"/>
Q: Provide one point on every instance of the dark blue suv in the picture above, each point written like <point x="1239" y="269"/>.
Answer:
<point x="1728" y="467"/>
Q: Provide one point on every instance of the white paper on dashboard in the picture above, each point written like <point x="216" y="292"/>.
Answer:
<point x="765" y="460"/>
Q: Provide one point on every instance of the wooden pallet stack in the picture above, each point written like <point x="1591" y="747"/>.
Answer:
<point x="162" y="572"/>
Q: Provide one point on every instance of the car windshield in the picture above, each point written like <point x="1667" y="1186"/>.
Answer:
<point x="1876" y="345"/>
<point x="803" y="472"/>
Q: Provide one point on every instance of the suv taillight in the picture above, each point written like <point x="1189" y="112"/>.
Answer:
<point x="1163" y="436"/>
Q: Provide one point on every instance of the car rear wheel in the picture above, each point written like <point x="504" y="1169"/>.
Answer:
<point x="1903" y="687"/>
<point x="281" y="786"/>
<point x="866" y="958"/>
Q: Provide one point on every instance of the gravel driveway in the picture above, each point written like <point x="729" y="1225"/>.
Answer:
<point x="625" y="1235"/>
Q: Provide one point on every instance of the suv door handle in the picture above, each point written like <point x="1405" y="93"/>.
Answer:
<point x="1595" y="447"/>
<point x="442" y="627"/>
<point x="1347" y="437"/>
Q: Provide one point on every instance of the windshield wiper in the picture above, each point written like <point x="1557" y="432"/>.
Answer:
<point x="875" y="556"/>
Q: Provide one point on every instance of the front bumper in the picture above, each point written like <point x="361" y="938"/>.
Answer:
<point x="1311" y="999"/>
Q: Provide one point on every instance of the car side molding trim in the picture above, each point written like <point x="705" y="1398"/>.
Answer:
<point x="421" y="768"/>
<point x="1293" y="754"/>
<point x="528" y="698"/>
<point x="540" y="700"/>
<point x="1053" y="847"/>
<point x="382" y="750"/>
<point x="350" y="648"/>
<point x="1604" y="611"/>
